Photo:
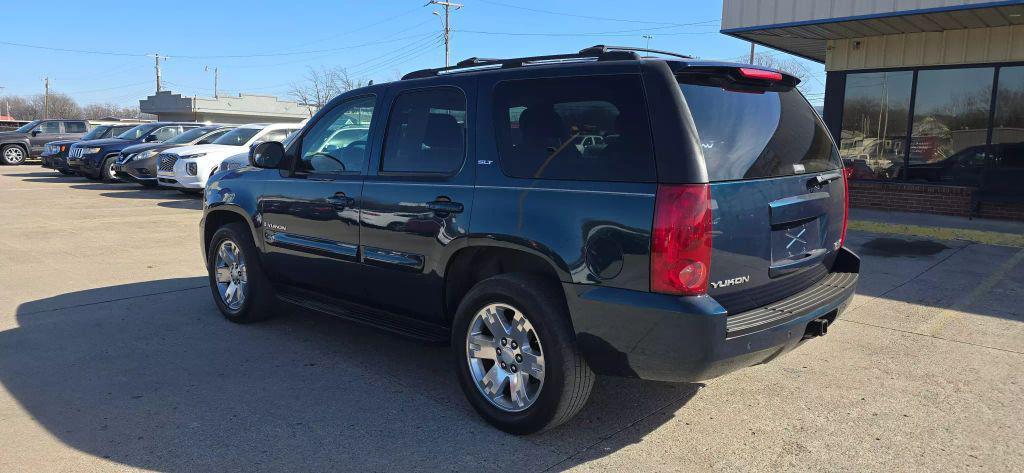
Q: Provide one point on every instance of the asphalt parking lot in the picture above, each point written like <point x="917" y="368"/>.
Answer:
<point x="113" y="356"/>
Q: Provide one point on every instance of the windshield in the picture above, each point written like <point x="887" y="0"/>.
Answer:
<point x="188" y="136"/>
<point x="237" y="137"/>
<point x="96" y="132"/>
<point x="138" y="132"/>
<point x="28" y="126"/>
<point x="757" y="135"/>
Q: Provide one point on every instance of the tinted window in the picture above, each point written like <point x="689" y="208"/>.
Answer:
<point x="49" y="127"/>
<point x="875" y="110"/>
<point x="214" y="136"/>
<point x="950" y="113"/>
<point x="117" y="130"/>
<point x="1009" y="125"/>
<point x="579" y="128"/>
<point x="426" y="132"/>
<point x="337" y="142"/>
<point x="756" y="135"/>
<point x="74" y="127"/>
<point x="188" y="136"/>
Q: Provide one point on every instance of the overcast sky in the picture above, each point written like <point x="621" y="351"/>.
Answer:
<point x="263" y="46"/>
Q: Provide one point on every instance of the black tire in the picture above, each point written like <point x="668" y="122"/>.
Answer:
<point x="12" y="155"/>
<point x="568" y="379"/>
<point x="65" y="172"/>
<point x="260" y="302"/>
<point x="106" y="172"/>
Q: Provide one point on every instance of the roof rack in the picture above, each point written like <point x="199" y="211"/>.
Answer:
<point x="594" y="53"/>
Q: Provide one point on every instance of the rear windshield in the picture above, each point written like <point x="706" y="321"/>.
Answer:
<point x="748" y="135"/>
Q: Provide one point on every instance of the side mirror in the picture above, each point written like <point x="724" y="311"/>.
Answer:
<point x="150" y="138"/>
<point x="35" y="133"/>
<point x="267" y="155"/>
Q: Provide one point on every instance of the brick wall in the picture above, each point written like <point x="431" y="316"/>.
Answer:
<point x="924" y="198"/>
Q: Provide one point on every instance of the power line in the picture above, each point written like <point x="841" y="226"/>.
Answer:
<point x="633" y="32"/>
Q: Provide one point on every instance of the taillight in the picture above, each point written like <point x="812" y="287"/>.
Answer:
<point x="846" y="203"/>
<point x="751" y="73"/>
<point x="681" y="239"/>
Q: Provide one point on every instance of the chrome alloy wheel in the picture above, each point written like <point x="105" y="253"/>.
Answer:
<point x="14" y="155"/>
<point x="505" y="358"/>
<point x="111" y="173"/>
<point x="229" y="270"/>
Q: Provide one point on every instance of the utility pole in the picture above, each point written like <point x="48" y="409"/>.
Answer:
<point x="648" y="38"/>
<point x="751" y="52"/>
<point x="7" y="104"/>
<point x="216" y="77"/>
<point x="447" y="26"/>
<point x="158" y="72"/>
<point x="46" y="98"/>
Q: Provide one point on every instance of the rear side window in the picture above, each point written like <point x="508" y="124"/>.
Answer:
<point x="748" y="135"/>
<point x="576" y="128"/>
<point x="426" y="132"/>
<point x="74" y="127"/>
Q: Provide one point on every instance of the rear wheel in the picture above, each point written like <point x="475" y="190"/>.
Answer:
<point x="240" y="287"/>
<point x="516" y="354"/>
<point x="12" y="154"/>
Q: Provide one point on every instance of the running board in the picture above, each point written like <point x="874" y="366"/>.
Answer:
<point x="383" y="320"/>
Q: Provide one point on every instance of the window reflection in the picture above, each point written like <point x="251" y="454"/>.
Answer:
<point x="1008" y="129"/>
<point x="874" y="133"/>
<point x="951" y="114"/>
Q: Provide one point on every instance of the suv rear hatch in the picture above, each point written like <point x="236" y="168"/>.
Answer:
<point x="778" y="195"/>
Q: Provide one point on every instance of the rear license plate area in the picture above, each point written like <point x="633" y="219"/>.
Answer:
<point x="796" y="242"/>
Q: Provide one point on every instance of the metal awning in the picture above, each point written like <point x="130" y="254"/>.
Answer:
<point x="809" y="38"/>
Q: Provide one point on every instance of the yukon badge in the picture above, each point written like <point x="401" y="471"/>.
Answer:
<point x="730" y="282"/>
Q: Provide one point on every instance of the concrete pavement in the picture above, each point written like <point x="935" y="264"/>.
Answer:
<point x="114" y="357"/>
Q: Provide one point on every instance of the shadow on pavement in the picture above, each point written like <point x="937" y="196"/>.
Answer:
<point x="151" y="376"/>
<point x="185" y="202"/>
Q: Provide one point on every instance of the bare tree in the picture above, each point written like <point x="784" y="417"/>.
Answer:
<point x="321" y="85"/>
<point x="107" y="110"/>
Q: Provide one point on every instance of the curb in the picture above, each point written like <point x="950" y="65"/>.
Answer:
<point x="939" y="233"/>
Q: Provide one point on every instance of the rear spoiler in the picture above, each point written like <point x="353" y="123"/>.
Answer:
<point x="742" y="78"/>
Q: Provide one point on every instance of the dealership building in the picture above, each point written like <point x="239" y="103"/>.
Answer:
<point x="238" y="109"/>
<point x="925" y="98"/>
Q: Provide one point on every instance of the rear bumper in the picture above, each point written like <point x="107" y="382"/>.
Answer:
<point x="685" y="339"/>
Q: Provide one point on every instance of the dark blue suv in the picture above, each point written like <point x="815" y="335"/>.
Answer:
<point x="551" y="218"/>
<point x="96" y="159"/>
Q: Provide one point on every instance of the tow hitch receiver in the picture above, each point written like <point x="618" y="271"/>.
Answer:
<point x="816" y="328"/>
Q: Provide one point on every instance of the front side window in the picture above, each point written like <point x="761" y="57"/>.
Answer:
<point x="873" y="141"/>
<point x="49" y="128"/>
<point x="137" y="132"/>
<point x="237" y="137"/>
<point x="167" y="132"/>
<point x="576" y="128"/>
<point x="337" y="143"/>
<point x="426" y="132"/>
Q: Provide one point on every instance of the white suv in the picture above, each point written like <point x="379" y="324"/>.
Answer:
<point x="189" y="167"/>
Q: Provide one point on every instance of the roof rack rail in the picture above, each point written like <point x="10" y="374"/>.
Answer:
<point x="594" y="53"/>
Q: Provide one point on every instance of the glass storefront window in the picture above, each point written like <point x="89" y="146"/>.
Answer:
<point x="874" y="135"/>
<point x="1008" y="129"/>
<point x="951" y="119"/>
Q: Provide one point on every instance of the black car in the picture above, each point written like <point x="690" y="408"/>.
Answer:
<point x="95" y="159"/>
<point x="30" y="139"/>
<point x="705" y="234"/>
<point x="55" y="153"/>
<point x="137" y="163"/>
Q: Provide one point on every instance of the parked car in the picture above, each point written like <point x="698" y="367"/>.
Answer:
<point x="137" y="163"/>
<point x="29" y="140"/>
<point x="95" y="159"/>
<point x="705" y="236"/>
<point x="55" y="153"/>
<point x="187" y="168"/>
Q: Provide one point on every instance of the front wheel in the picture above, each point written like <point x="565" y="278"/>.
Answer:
<point x="12" y="154"/>
<point x="107" y="170"/>
<point x="240" y="287"/>
<point x="516" y="355"/>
